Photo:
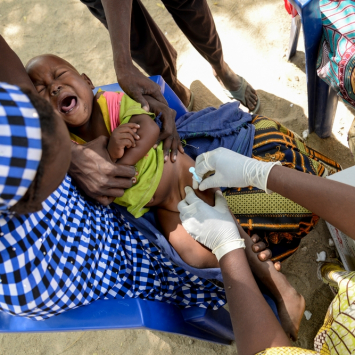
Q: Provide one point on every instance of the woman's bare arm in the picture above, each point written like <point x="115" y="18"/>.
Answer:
<point x="331" y="200"/>
<point x="254" y="324"/>
<point x="12" y="70"/>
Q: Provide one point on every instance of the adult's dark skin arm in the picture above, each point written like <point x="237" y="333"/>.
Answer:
<point x="168" y="133"/>
<point x="254" y="324"/>
<point x="12" y="70"/>
<point x="331" y="200"/>
<point x="118" y="16"/>
<point x="136" y="85"/>
<point x="94" y="172"/>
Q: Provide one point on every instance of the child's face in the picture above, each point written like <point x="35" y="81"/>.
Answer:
<point x="69" y="93"/>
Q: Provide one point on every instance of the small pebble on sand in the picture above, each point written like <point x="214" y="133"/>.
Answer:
<point x="291" y="105"/>
<point x="321" y="256"/>
<point x="331" y="242"/>
<point x="307" y="314"/>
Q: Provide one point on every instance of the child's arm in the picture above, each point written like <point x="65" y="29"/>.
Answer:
<point x="148" y="132"/>
<point x="122" y="137"/>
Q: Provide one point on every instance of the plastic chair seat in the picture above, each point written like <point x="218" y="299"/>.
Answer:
<point x="173" y="101"/>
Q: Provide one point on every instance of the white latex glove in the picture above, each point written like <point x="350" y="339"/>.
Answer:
<point x="214" y="227"/>
<point x="231" y="170"/>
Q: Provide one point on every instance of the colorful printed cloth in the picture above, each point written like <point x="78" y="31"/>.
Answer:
<point x="286" y="351"/>
<point x="20" y="145"/>
<point x="337" y="335"/>
<point x="74" y="252"/>
<point x="279" y="221"/>
<point x="336" y="58"/>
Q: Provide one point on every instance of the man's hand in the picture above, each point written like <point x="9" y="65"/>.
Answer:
<point x="168" y="133"/>
<point x="124" y="136"/>
<point x="135" y="85"/>
<point x="96" y="175"/>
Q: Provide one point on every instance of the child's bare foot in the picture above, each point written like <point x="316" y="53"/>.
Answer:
<point x="290" y="304"/>
<point x="290" y="307"/>
<point x="232" y="82"/>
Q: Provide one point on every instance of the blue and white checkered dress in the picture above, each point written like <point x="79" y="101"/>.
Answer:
<point x="74" y="252"/>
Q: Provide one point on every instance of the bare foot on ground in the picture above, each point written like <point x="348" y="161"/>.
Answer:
<point x="290" y="307"/>
<point x="232" y="82"/>
<point x="290" y="304"/>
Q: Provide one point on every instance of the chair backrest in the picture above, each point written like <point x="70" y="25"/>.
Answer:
<point x="173" y="101"/>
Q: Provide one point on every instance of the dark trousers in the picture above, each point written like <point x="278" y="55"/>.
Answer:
<point x="151" y="50"/>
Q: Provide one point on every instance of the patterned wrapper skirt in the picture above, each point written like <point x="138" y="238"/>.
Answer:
<point x="280" y="222"/>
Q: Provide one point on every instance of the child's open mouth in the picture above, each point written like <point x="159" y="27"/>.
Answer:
<point x="67" y="104"/>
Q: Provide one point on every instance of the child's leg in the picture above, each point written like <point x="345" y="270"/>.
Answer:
<point x="192" y="252"/>
<point x="290" y="304"/>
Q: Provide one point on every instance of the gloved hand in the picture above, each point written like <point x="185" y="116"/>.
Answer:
<point x="231" y="170"/>
<point x="214" y="227"/>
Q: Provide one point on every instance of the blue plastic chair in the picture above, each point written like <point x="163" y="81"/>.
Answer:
<point x="135" y="313"/>
<point x="322" y="99"/>
<point x="173" y="101"/>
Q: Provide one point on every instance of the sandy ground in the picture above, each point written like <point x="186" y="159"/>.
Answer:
<point x="255" y="37"/>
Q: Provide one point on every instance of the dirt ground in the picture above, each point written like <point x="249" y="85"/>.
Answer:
<point x="255" y="36"/>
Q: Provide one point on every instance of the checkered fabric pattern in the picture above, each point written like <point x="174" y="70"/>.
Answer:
<point x="74" y="252"/>
<point x="20" y="145"/>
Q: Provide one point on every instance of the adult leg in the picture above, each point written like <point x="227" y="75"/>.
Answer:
<point x="195" y="20"/>
<point x="150" y="49"/>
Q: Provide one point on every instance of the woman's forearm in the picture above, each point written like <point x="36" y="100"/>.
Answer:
<point x="331" y="200"/>
<point x="255" y="326"/>
<point x="12" y="70"/>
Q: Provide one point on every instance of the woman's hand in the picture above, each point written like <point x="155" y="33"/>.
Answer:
<point x="124" y="136"/>
<point x="231" y="170"/>
<point x="214" y="227"/>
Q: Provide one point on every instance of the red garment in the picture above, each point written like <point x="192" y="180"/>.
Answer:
<point x="113" y="100"/>
<point x="290" y="9"/>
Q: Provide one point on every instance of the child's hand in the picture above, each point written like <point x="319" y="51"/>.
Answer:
<point x="124" y="136"/>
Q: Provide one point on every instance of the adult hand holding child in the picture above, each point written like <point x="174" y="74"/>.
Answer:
<point x="96" y="175"/>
